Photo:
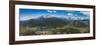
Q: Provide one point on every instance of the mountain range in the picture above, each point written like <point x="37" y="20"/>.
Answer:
<point x="52" y="21"/>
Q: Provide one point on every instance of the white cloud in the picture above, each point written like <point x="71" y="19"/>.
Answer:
<point x="86" y="12"/>
<point x="70" y="14"/>
<point x="54" y="11"/>
<point x="51" y="11"/>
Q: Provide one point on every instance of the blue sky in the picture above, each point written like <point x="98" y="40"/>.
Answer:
<point x="26" y="14"/>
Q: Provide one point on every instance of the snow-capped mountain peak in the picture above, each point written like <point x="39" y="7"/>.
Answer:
<point x="48" y="16"/>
